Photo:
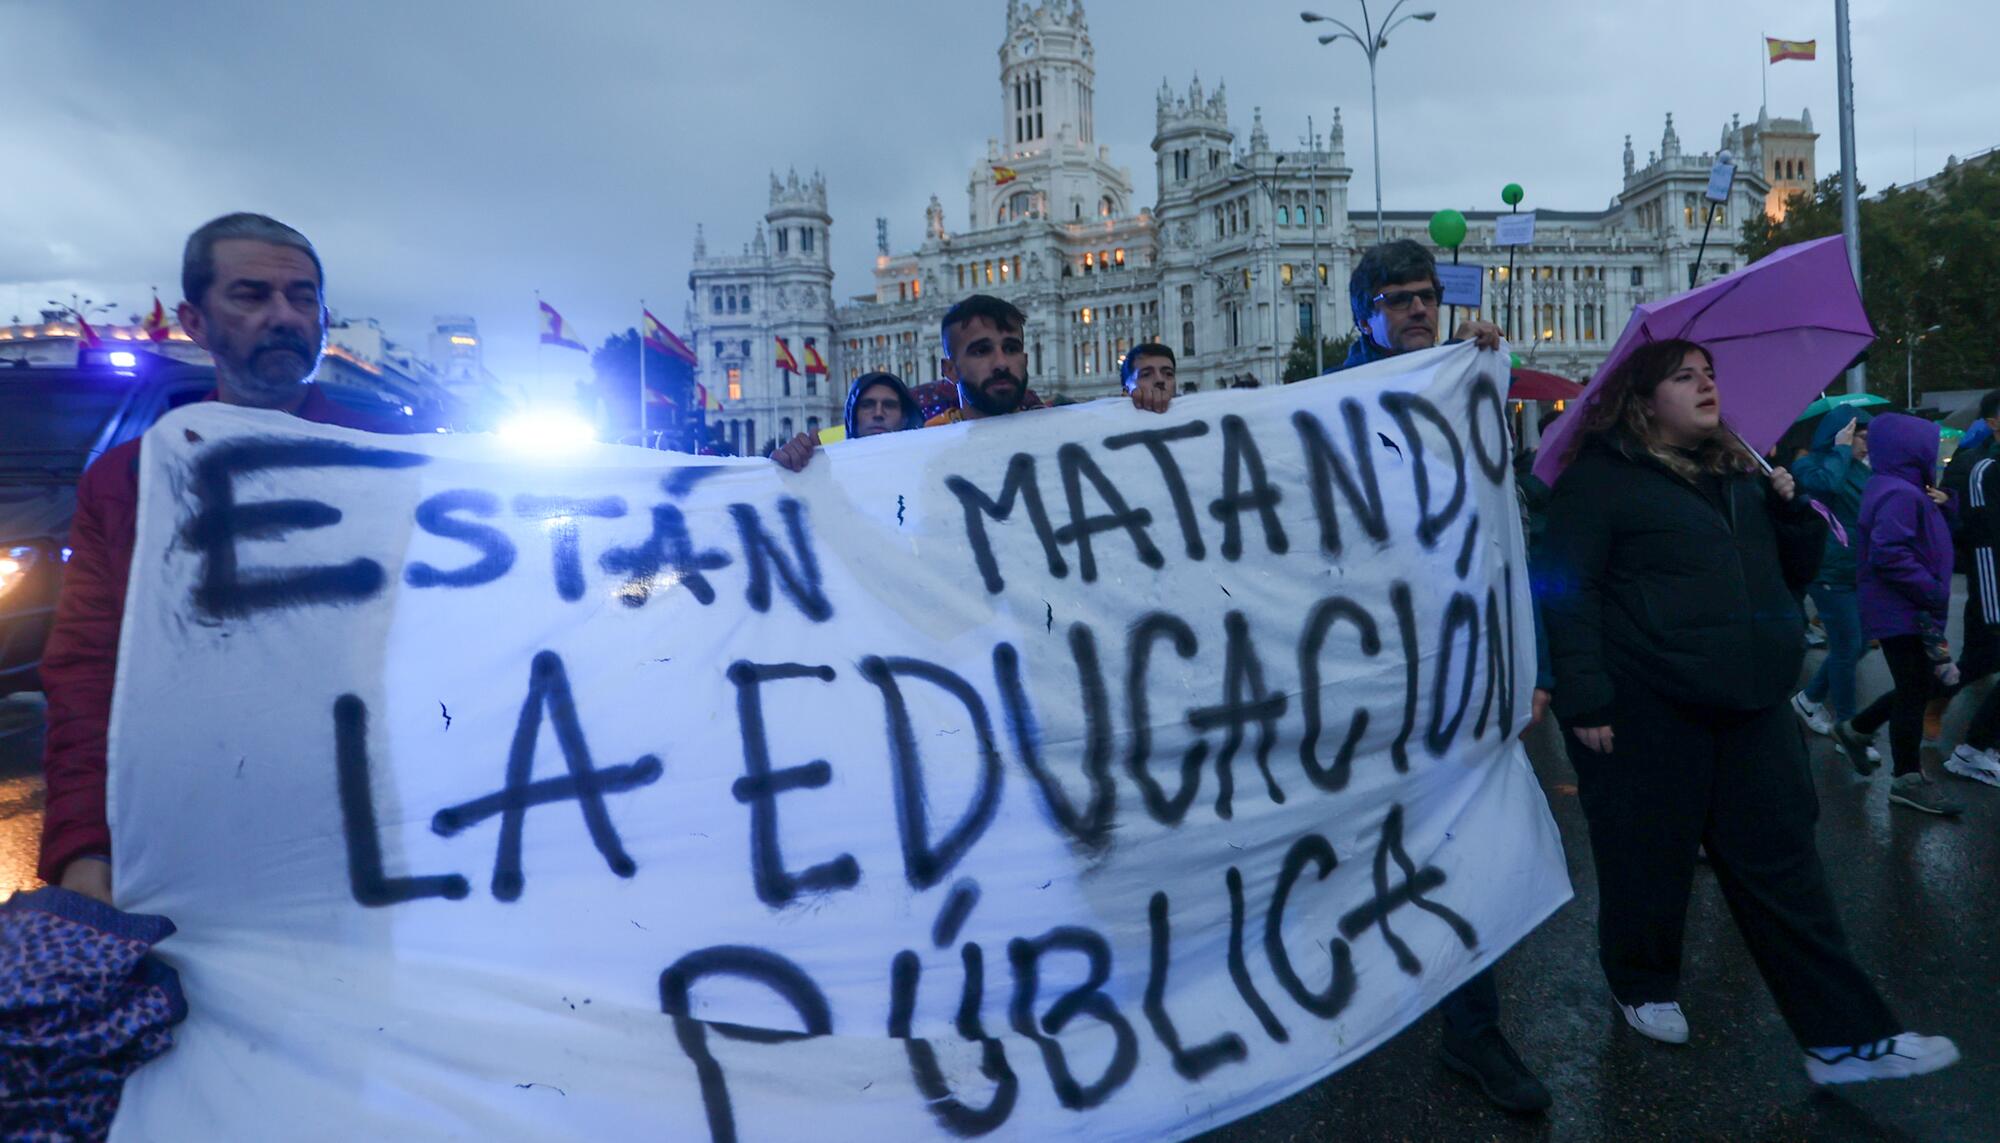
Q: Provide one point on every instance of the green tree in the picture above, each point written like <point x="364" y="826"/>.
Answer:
<point x="614" y="391"/>
<point x="1299" y="364"/>
<point x="1929" y="257"/>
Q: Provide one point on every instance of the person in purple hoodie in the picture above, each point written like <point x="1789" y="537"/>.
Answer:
<point x="1903" y="555"/>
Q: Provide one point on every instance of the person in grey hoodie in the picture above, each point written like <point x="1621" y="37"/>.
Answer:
<point x="1903" y="557"/>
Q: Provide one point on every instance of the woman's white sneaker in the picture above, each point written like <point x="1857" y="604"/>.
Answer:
<point x="1662" y="1022"/>
<point x="1976" y="764"/>
<point x="1812" y="714"/>
<point x="1898" y="1057"/>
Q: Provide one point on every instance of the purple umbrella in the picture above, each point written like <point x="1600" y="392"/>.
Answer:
<point x="1780" y="329"/>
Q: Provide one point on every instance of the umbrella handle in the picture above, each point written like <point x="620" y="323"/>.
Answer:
<point x="1754" y="454"/>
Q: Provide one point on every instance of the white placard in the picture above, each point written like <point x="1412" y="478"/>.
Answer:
<point x="1464" y="284"/>
<point x="1514" y="229"/>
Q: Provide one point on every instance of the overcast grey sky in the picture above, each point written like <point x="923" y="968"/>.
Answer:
<point x="454" y="156"/>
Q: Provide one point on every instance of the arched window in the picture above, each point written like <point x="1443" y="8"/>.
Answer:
<point x="1284" y="215"/>
<point x="806" y="239"/>
<point x="784" y="239"/>
<point x="715" y="299"/>
<point x="785" y="429"/>
<point x="732" y="301"/>
<point x="812" y="427"/>
<point x="1105" y="207"/>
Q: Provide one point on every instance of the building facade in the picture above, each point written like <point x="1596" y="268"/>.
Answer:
<point x="1246" y="245"/>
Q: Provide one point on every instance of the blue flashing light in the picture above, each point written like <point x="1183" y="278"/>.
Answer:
<point x="122" y="359"/>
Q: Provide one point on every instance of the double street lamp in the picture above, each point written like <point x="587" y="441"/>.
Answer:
<point x="82" y="308"/>
<point x="1371" y="40"/>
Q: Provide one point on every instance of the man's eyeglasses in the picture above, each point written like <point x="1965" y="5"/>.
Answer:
<point x="1398" y="301"/>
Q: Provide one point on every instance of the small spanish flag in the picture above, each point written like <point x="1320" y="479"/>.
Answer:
<point x="1004" y="175"/>
<point x="704" y="400"/>
<point x="785" y="360"/>
<point x="556" y="331"/>
<point x="1791" y="49"/>
<point x="155" y="324"/>
<point x="87" y="335"/>
<point x="658" y="336"/>
<point x="814" y="362"/>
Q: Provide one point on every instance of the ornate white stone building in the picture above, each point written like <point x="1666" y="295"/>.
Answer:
<point x="1247" y="244"/>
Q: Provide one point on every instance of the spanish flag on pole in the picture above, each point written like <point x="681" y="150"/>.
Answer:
<point x="87" y="335"/>
<point x="1004" y="175"/>
<point x="556" y="331"/>
<point x="1790" y="49"/>
<point x="155" y="324"/>
<point x="814" y="362"/>
<point x="658" y="336"/>
<point x="785" y="360"/>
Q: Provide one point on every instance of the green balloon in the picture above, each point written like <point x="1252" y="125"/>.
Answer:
<point x="1448" y="228"/>
<point x="1512" y="194"/>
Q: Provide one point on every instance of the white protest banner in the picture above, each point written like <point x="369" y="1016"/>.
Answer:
<point x="1082" y="774"/>
<point x="1514" y="229"/>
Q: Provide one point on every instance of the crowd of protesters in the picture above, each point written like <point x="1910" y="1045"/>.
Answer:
<point x="1669" y="571"/>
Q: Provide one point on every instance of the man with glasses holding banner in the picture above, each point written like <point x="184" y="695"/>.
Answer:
<point x="1396" y="298"/>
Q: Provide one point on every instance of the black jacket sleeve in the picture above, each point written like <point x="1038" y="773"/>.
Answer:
<point x="1576" y="549"/>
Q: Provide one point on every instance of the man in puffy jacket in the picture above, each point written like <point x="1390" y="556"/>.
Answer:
<point x="254" y="298"/>
<point x="1903" y="556"/>
<point x="1396" y="294"/>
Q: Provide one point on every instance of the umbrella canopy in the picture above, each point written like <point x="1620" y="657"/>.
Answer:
<point x="1535" y="385"/>
<point x="1829" y="404"/>
<point x="1779" y="329"/>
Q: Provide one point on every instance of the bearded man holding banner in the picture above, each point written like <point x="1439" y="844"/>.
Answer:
<point x="254" y="297"/>
<point x="1395" y="295"/>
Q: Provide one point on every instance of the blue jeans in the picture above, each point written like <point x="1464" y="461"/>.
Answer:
<point x="1840" y="614"/>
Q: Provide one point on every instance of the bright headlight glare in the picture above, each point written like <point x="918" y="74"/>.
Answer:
<point x="15" y="563"/>
<point x="547" y="432"/>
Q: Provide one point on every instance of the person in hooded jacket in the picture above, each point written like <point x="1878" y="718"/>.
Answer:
<point x="1669" y="590"/>
<point x="880" y="403"/>
<point x="1835" y="473"/>
<point x="1903" y="557"/>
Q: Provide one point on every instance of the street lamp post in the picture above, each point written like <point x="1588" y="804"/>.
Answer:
<point x="81" y="307"/>
<point x="1318" y="287"/>
<point x="1910" y="365"/>
<point x="1373" y="42"/>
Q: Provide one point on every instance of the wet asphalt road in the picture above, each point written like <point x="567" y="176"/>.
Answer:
<point x="1920" y="897"/>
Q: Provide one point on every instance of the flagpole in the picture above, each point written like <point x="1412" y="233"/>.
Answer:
<point x="541" y="382"/>
<point x="642" y="373"/>
<point x="1764" y="52"/>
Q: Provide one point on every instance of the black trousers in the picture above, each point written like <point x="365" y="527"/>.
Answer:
<point x="1471" y="1009"/>
<point x="1980" y="657"/>
<point x="1902" y="707"/>
<point x="1738" y="783"/>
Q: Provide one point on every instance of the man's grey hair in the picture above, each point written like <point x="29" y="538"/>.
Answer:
<point x="198" y="261"/>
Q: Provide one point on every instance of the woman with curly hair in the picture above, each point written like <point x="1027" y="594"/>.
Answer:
<point x="1670" y="593"/>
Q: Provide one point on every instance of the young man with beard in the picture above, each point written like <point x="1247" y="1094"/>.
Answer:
<point x="1396" y="296"/>
<point x="985" y="352"/>
<point x="254" y="298"/>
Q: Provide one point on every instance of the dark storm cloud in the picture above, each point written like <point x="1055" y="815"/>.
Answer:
<point x="454" y="157"/>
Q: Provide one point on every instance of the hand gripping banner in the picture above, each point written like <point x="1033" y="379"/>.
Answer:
<point x="1084" y="773"/>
